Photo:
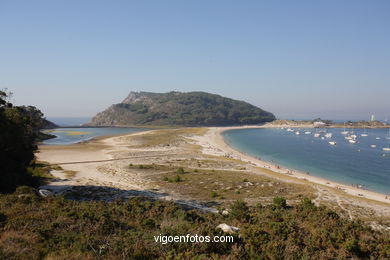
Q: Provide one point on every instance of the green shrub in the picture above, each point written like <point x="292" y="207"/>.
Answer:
<point x="239" y="210"/>
<point x="177" y="178"/>
<point x="307" y="204"/>
<point x="279" y="203"/>
<point x="352" y="246"/>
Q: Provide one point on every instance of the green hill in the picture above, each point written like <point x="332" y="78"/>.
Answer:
<point x="180" y="109"/>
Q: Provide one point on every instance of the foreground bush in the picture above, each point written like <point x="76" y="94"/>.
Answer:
<point x="34" y="227"/>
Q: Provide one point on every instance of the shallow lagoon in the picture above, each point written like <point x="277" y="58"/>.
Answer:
<point x="76" y="135"/>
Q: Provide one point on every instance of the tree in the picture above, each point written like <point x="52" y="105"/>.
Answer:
<point x="19" y="129"/>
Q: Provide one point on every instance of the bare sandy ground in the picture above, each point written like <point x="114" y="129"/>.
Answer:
<point x="96" y="163"/>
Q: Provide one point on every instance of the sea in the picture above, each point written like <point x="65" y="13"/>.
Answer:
<point x="69" y="121"/>
<point x="357" y="164"/>
<point x="71" y="135"/>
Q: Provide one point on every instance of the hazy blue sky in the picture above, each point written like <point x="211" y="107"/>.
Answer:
<point x="298" y="59"/>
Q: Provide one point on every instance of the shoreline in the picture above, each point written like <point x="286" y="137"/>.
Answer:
<point x="220" y="143"/>
<point x="99" y="151"/>
<point x="91" y="139"/>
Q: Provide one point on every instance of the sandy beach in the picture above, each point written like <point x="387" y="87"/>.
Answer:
<point x="145" y="163"/>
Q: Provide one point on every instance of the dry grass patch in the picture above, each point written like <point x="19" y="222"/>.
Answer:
<point x="70" y="174"/>
<point x="222" y="185"/>
<point x="166" y="137"/>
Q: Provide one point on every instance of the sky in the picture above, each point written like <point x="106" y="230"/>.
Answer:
<point x="297" y="59"/>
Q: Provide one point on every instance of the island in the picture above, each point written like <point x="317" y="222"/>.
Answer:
<point x="180" y="109"/>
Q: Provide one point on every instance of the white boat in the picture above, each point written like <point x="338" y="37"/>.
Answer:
<point x="364" y="131"/>
<point x="352" y="141"/>
<point x="387" y="149"/>
<point x="344" y="132"/>
<point x="307" y="132"/>
<point x="297" y="133"/>
<point x="290" y="130"/>
<point x="373" y="145"/>
<point x="328" y="135"/>
<point x="348" y="137"/>
<point x="332" y="143"/>
<point x="322" y="138"/>
<point x="316" y="135"/>
<point x="353" y="136"/>
<point x="377" y="138"/>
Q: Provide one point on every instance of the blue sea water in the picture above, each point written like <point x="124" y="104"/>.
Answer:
<point x="76" y="135"/>
<point x="345" y="163"/>
<point x="69" y="121"/>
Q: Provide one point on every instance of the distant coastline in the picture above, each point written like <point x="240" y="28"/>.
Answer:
<point x="328" y="124"/>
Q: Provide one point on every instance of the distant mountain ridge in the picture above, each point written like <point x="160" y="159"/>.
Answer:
<point x="180" y="109"/>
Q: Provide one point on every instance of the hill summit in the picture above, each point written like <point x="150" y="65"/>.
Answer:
<point x="180" y="109"/>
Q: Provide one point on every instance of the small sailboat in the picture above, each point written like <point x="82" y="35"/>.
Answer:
<point x="352" y="141"/>
<point x="332" y="143"/>
<point x="290" y="130"/>
<point x="307" y="132"/>
<point x="316" y="134"/>
<point x="377" y="138"/>
<point x="344" y="132"/>
<point x="297" y="133"/>
<point x="373" y="146"/>
<point x="364" y="131"/>
<point x="387" y="149"/>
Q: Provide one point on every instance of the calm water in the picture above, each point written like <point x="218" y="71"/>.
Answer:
<point x="69" y="121"/>
<point x="76" y="135"/>
<point x="345" y="163"/>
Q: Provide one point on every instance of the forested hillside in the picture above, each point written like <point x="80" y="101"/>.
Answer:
<point x="180" y="109"/>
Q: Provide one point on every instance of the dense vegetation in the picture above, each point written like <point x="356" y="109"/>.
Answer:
<point x="19" y="131"/>
<point x="181" y="109"/>
<point x="34" y="227"/>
